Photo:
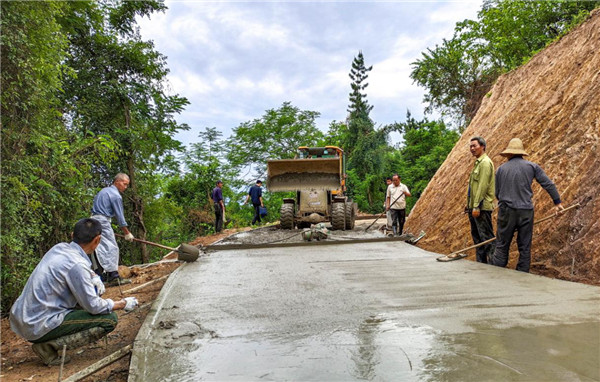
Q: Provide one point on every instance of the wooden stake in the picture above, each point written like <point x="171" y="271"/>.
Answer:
<point x="99" y="365"/>
<point x="62" y="363"/>
<point x="132" y="290"/>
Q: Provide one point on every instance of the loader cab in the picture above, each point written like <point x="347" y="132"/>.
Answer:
<point x="305" y="152"/>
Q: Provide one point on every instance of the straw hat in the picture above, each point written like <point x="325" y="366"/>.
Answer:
<point x="515" y="147"/>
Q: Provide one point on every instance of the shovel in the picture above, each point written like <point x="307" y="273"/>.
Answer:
<point x="460" y="255"/>
<point x="185" y="252"/>
<point x="394" y="202"/>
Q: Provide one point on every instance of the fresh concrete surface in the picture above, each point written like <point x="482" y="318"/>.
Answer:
<point x="382" y="312"/>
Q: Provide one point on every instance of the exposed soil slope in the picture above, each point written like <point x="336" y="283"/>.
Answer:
<point x="553" y="104"/>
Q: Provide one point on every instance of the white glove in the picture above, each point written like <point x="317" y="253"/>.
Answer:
<point x="129" y="237"/>
<point x="131" y="303"/>
<point x="99" y="285"/>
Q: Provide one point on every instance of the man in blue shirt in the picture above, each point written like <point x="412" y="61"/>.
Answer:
<point x="513" y="191"/>
<point x="217" y="197"/>
<point x="61" y="303"/>
<point x="255" y="194"/>
<point x="108" y="203"/>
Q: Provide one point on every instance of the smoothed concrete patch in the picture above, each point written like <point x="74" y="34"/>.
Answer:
<point x="377" y="311"/>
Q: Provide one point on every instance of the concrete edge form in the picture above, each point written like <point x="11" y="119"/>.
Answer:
<point x="137" y="352"/>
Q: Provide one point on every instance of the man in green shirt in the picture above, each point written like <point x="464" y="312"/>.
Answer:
<point x="480" y="199"/>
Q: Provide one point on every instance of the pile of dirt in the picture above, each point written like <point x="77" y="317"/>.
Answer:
<point x="553" y="104"/>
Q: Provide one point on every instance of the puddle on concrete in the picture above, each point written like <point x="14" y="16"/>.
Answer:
<point x="375" y="351"/>
<point x="545" y="353"/>
<point x="384" y="349"/>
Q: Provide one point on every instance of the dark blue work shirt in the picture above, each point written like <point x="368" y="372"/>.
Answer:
<point x="255" y="194"/>
<point x="513" y="183"/>
<point x="217" y="194"/>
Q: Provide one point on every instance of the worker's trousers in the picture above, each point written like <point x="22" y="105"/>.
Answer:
<point x="398" y="218"/>
<point x="482" y="230"/>
<point x="78" y="321"/>
<point x="256" y="213"/>
<point x="509" y="221"/>
<point x="218" y="217"/>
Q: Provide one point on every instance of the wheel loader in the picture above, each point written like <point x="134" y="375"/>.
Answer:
<point x="318" y="176"/>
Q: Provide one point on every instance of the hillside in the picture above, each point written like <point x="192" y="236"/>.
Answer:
<point x="553" y="104"/>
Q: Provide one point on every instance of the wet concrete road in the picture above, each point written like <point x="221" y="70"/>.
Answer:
<point x="383" y="312"/>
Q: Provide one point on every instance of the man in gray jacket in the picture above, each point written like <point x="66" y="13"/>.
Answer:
<point x="108" y="203"/>
<point x="513" y="191"/>
<point x="61" y="303"/>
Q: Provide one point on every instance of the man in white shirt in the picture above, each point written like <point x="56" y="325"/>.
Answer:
<point x="396" y="203"/>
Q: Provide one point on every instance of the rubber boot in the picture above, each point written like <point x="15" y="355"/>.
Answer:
<point x="114" y="279"/>
<point x="50" y="351"/>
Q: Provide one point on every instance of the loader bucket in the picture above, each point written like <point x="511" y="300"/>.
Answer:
<point x="301" y="174"/>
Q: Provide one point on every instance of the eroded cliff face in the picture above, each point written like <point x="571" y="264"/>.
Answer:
<point x="553" y="104"/>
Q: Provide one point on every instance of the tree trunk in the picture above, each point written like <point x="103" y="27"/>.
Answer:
<point x="138" y="204"/>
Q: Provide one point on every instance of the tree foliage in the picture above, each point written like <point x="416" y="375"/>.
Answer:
<point x="82" y="99"/>
<point x="118" y="91"/>
<point x="365" y="146"/>
<point x="275" y="135"/>
<point x="425" y="147"/>
<point x="191" y="191"/>
<point x="459" y="72"/>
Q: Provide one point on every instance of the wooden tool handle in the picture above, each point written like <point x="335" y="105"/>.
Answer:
<point x="149" y="243"/>
<point x="576" y="205"/>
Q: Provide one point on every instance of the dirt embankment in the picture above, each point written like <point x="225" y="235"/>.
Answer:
<point x="553" y="104"/>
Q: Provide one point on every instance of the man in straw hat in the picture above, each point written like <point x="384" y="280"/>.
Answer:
<point x="513" y="191"/>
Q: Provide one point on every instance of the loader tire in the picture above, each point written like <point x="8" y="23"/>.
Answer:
<point x="350" y="214"/>
<point x="338" y="216"/>
<point x="286" y="218"/>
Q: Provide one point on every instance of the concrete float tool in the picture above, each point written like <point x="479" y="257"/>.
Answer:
<point x="460" y="255"/>
<point x="185" y="252"/>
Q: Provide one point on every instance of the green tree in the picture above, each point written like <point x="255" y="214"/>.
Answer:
<point x="458" y="73"/>
<point x="425" y="146"/>
<point x="359" y="122"/>
<point x="275" y="135"/>
<point x="82" y="98"/>
<point x="364" y="144"/>
<point x="118" y="90"/>
<point x="44" y="165"/>
<point x="336" y="135"/>
<point x="191" y="192"/>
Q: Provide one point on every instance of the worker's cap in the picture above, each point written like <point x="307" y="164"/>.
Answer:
<point x="515" y="147"/>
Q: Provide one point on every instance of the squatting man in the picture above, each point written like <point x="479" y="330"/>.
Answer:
<point x="61" y="304"/>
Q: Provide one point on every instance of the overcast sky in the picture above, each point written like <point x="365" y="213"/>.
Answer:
<point x="235" y="59"/>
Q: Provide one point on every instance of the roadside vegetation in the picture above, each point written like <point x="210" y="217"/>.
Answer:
<point x="83" y="97"/>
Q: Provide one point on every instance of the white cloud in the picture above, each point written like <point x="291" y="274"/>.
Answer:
<point x="234" y="60"/>
<point x="454" y="11"/>
<point x="190" y="83"/>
